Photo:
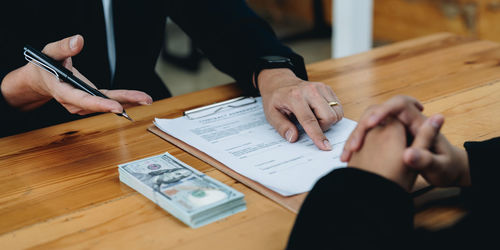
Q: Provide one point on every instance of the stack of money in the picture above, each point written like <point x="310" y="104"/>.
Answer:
<point x="187" y="194"/>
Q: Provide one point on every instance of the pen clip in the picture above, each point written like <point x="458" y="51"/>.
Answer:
<point x="43" y="66"/>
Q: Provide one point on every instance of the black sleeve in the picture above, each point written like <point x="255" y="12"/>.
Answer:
<point x="10" y="15"/>
<point x="18" y="27"/>
<point x="353" y="209"/>
<point x="477" y="229"/>
<point x="484" y="171"/>
<point x="231" y="35"/>
<point x="7" y="110"/>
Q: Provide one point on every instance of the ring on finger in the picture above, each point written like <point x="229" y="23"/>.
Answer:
<point x="332" y="104"/>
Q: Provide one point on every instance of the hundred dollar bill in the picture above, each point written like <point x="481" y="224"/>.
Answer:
<point x="186" y="193"/>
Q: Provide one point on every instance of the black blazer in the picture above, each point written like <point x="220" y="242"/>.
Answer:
<point x="227" y="32"/>
<point x="353" y="209"/>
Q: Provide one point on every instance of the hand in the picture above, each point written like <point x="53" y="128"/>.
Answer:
<point x="445" y="165"/>
<point x="284" y="95"/>
<point x="406" y="109"/>
<point x="29" y="87"/>
<point x="382" y="153"/>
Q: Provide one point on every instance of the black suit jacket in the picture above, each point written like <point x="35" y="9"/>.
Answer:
<point x="353" y="209"/>
<point x="227" y="32"/>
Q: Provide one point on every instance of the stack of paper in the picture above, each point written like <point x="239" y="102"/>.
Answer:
<point x="184" y="192"/>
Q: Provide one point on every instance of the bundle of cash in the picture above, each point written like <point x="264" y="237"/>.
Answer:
<point x="189" y="195"/>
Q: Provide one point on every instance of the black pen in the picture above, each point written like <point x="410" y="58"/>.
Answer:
<point x="63" y="74"/>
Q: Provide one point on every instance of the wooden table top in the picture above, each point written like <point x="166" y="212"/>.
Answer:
<point x="59" y="186"/>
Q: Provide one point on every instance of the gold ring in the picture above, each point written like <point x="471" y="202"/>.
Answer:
<point x="333" y="104"/>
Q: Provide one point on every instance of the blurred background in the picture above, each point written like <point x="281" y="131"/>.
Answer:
<point x="324" y="29"/>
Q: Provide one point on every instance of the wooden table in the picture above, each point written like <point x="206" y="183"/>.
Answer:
<point x="59" y="186"/>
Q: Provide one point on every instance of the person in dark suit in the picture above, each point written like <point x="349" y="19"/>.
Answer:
<point x="116" y="50"/>
<point x="368" y="205"/>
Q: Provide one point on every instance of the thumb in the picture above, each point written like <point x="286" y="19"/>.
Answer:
<point x="64" y="48"/>
<point x="427" y="132"/>
<point x="418" y="159"/>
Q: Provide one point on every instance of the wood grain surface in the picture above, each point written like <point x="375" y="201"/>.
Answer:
<point x="59" y="185"/>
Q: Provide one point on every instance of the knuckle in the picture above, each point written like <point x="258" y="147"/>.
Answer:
<point x="400" y="101"/>
<point x="329" y="120"/>
<point x="312" y="87"/>
<point x="324" y="125"/>
<point x="403" y="100"/>
<point x="74" y="110"/>
<point x="400" y="97"/>
<point x="340" y="113"/>
<point x="296" y="93"/>
<point x="309" y="120"/>
<point x="371" y="109"/>
<point x="47" y="47"/>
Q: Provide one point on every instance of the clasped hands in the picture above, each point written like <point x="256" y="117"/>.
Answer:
<point x="396" y="141"/>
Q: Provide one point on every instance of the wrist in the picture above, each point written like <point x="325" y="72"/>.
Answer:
<point x="271" y="78"/>
<point x="271" y="62"/>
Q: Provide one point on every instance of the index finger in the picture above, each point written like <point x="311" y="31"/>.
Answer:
<point x="66" y="94"/>
<point x="406" y="108"/>
<point x="310" y="123"/>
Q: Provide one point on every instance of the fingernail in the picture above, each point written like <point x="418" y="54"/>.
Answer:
<point x="145" y="103"/>
<point x="288" y="135"/>
<point x="116" y="111"/>
<point x="72" y="42"/>
<point x="327" y="144"/>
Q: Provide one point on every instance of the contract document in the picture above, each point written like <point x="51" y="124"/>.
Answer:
<point x="238" y="135"/>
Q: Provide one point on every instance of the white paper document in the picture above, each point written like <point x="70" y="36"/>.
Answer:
<point x="240" y="137"/>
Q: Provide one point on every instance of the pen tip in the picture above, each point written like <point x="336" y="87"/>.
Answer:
<point x="124" y="114"/>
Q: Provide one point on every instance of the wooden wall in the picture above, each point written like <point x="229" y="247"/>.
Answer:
<point x="396" y="20"/>
<point x="300" y="10"/>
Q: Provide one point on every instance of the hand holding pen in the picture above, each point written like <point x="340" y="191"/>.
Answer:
<point x="30" y="86"/>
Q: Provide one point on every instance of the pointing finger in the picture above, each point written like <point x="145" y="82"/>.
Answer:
<point x="308" y="120"/>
